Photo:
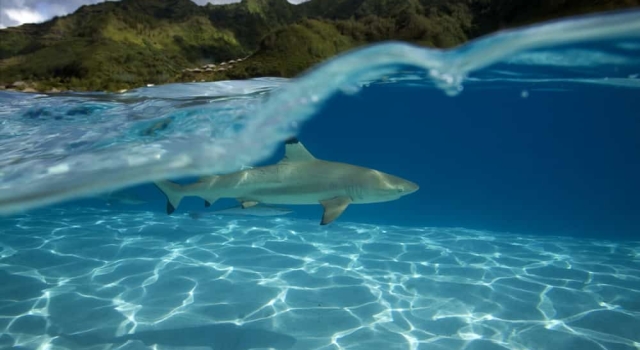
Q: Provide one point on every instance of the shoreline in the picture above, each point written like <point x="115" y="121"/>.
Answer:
<point x="31" y="87"/>
<point x="200" y="74"/>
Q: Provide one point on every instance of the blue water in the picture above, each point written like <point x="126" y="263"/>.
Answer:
<point x="523" y="235"/>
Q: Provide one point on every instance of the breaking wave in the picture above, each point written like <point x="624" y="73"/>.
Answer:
<point x="63" y="146"/>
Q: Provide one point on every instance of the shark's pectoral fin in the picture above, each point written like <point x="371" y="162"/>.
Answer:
<point x="247" y="204"/>
<point x="333" y="208"/>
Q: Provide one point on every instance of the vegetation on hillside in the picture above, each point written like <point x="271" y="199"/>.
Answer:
<point x="119" y="45"/>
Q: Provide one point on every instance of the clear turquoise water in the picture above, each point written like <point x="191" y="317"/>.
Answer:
<point x="523" y="235"/>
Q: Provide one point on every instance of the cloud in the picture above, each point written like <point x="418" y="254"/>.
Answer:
<point x="219" y="2"/>
<point x="23" y="16"/>
<point x="17" y="12"/>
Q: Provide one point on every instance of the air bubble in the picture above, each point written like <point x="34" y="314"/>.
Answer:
<point x="350" y="90"/>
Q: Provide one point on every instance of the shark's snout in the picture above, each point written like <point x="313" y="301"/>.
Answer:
<point x="395" y="186"/>
<point x="407" y="187"/>
<point x="411" y="187"/>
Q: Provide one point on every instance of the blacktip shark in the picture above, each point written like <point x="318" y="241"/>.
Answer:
<point x="298" y="179"/>
<point x="127" y="198"/>
<point x="256" y="210"/>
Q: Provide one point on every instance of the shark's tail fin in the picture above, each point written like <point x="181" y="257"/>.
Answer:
<point x="174" y="194"/>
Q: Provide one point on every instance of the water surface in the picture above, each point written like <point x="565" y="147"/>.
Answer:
<point x="523" y="235"/>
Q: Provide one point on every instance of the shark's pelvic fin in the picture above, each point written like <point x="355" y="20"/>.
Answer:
<point x="173" y="192"/>
<point x="209" y="200"/>
<point x="247" y="204"/>
<point x="333" y="208"/>
<point x="294" y="151"/>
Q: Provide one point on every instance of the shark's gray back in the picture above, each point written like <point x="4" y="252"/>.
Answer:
<point x="312" y="172"/>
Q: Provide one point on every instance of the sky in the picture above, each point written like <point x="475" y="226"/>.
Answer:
<point x="17" y="12"/>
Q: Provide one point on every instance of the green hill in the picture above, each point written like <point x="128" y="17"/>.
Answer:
<point x="129" y="43"/>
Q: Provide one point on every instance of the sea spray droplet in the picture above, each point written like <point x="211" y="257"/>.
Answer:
<point x="524" y="94"/>
<point x="350" y="90"/>
<point x="451" y="84"/>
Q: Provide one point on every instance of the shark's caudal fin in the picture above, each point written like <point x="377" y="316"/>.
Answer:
<point x="173" y="191"/>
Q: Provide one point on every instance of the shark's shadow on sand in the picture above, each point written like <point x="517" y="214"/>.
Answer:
<point x="221" y="336"/>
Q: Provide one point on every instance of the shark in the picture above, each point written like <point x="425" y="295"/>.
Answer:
<point x="122" y="197"/>
<point x="256" y="210"/>
<point x="299" y="178"/>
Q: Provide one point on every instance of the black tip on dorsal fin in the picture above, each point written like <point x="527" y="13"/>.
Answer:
<point x="292" y="140"/>
<point x="170" y="208"/>
<point x="207" y="204"/>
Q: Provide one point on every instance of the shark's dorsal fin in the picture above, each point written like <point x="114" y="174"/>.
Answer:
<point x="294" y="151"/>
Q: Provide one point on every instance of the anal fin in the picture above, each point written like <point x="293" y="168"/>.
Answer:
<point x="209" y="201"/>
<point x="170" y="208"/>
<point x="333" y="208"/>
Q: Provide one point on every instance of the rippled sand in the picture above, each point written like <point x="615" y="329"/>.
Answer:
<point x="83" y="279"/>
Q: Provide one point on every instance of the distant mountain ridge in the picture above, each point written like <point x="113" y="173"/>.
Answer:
<point x="129" y="43"/>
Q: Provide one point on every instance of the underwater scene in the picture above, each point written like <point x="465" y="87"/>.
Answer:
<point x="394" y="197"/>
